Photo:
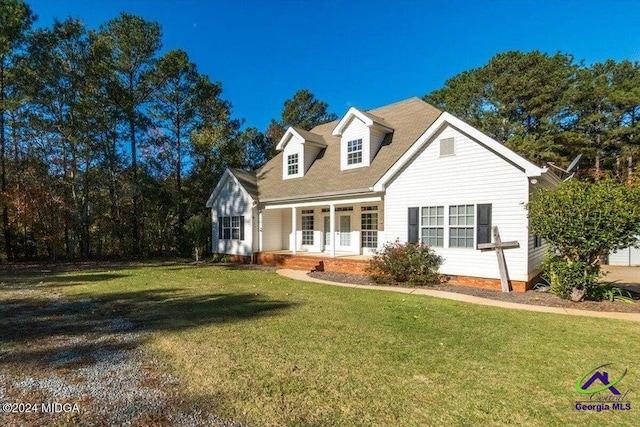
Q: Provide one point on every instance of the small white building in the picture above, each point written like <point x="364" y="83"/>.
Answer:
<point x="628" y="256"/>
<point x="406" y="172"/>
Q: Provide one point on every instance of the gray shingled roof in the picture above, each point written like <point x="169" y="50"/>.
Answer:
<point x="409" y="119"/>
<point x="247" y="180"/>
<point x="308" y="136"/>
<point x="376" y="119"/>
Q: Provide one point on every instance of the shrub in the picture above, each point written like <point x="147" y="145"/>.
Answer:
<point x="613" y="293"/>
<point x="573" y="280"/>
<point x="397" y="262"/>
<point x="583" y="222"/>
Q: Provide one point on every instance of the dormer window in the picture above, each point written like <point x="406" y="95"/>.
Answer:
<point x="361" y="136"/>
<point x="292" y="164"/>
<point x="300" y="149"/>
<point x="354" y="152"/>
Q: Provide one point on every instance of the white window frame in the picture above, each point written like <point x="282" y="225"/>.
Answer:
<point x="369" y="227"/>
<point x="432" y="220"/>
<point x="231" y="227"/>
<point x="291" y="164"/>
<point x="462" y="221"/>
<point x="355" y="153"/>
<point x="307" y="226"/>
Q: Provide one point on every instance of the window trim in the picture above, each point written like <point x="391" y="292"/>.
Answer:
<point x="226" y="227"/>
<point x="439" y="225"/>
<point x="469" y="224"/>
<point x="465" y="226"/>
<point x="293" y="164"/>
<point x="355" y="156"/>
<point x="369" y="228"/>
<point x="307" y="215"/>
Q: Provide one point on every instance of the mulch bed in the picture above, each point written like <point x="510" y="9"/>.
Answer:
<point x="530" y="297"/>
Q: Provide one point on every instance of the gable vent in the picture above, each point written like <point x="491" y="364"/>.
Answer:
<point x="447" y="147"/>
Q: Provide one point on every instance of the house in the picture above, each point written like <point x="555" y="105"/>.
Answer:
<point x="406" y="171"/>
<point x="626" y="257"/>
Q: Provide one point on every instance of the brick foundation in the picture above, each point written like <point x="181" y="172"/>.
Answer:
<point x="354" y="266"/>
<point x="485" y="283"/>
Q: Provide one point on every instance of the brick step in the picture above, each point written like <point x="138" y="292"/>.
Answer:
<point x="309" y="263"/>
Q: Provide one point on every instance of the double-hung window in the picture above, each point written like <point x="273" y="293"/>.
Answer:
<point x="231" y="228"/>
<point x="307" y="226"/>
<point x="354" y="152"/>
<point x="461" y="222"/>
<point x="433" y="226"/>
<point x="369" y="226"/>
<point x="292" y="164"/>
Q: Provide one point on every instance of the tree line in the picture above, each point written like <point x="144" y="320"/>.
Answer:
<point x="109" y="148"/>
<point x="550" y="108"/>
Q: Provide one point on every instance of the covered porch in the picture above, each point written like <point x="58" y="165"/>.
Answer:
<point x="331" y="229"/>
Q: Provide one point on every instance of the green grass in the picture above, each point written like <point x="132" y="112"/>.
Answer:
<point x="267" y="350"/>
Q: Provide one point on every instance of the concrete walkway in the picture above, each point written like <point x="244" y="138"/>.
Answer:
<point x="302" y="275"/>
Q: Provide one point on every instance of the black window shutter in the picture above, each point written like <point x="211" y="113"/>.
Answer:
<point x="484" y="223"/>
<point x="412" y="233"/>
<point x="242" y="228"/>
<point x="220" y="228"/>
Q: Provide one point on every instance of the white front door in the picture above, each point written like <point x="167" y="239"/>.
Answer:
<point x="345" y="231"/>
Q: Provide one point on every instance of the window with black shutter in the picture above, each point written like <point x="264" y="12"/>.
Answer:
<point x="484" y="223"/>
<point x="231" y="228"/>
<point x="412" y="232"/>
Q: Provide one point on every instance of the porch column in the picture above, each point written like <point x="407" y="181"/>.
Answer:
<point x="332" y="229"/>
<point x="260" y="230"/>
<point x="294" y="221"/>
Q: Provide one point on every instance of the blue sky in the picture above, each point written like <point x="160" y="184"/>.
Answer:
<point x="361" y="53"/>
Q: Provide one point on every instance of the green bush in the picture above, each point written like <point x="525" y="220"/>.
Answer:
<point x="573" y="280"/>
<point x="583" y="222"/>
<point x="397" y="262"/>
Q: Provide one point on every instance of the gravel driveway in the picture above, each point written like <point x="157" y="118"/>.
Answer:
<point x="77" y="362"/>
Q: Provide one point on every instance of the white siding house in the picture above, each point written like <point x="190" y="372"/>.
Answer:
<point x="406" y="172"/>
<point x="628" y="256"/>
<point x="470" y="177"/>
<point x="233" y="212"/>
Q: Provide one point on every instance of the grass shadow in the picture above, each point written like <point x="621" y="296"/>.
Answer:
<point x="28" y="319"/>
<point x="35" y="322"/>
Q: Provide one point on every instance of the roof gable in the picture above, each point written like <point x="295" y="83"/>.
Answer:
<point x="370" y="120"/>
<point x="306" y="137"/>
<point x="524" y="165"/>
<point x="246" y="180"/>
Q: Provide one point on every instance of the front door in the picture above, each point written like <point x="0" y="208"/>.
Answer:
<point x="345" y="231"/>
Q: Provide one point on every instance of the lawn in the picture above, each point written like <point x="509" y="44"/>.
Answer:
<point x="265" y="350"/>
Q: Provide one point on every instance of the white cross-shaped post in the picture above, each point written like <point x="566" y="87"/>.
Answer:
<point x="499" y="246"/>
